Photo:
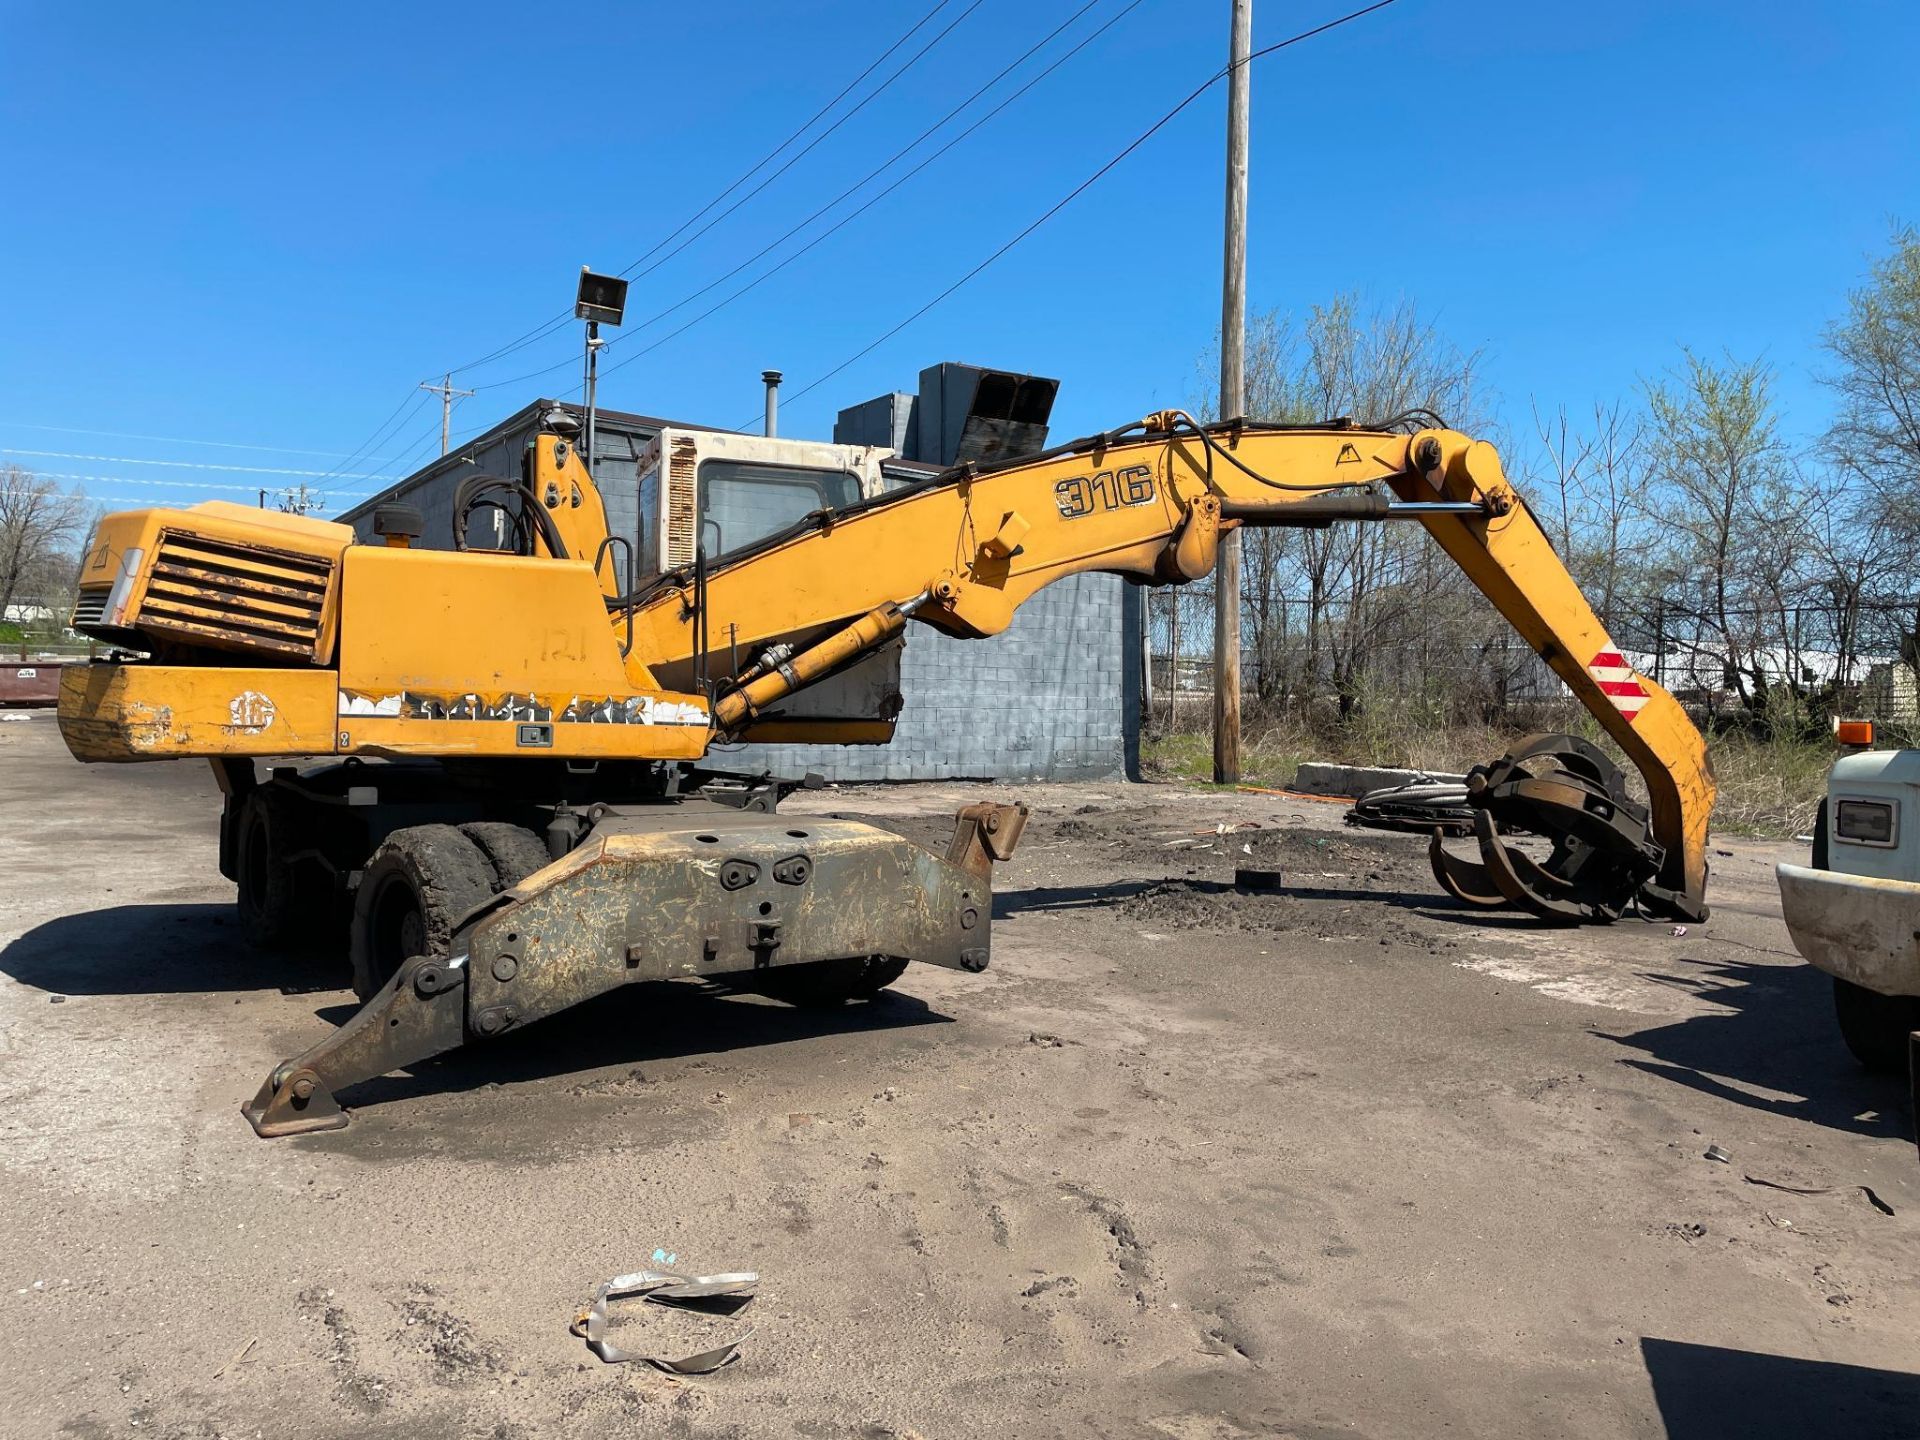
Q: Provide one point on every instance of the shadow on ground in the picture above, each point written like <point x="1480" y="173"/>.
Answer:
<point x="197" y="949"/>
<point x="1093" y="897"/>
<point x="160" y="950"/>
<point x="1778" y="1035"/>
<point x="661" y="1020"/>
<point x="1708" y="1393"/>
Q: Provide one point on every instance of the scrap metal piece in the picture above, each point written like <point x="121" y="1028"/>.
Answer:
<point x="1416" y="808"/>
<point x="707" y="1287"/>
<point x="667" y="1287"/>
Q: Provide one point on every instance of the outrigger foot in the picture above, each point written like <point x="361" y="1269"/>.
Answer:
<point x="420" y="1012"/>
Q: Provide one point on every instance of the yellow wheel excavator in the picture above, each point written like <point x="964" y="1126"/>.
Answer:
<point x="506" y="737"/>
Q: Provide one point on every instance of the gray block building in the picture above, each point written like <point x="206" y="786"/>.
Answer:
<point x="1056" y="697"/>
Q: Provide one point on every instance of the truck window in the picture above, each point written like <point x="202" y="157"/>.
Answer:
<point x="741" y="501"/>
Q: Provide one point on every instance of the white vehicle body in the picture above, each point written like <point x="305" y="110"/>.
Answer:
<point x="1858" y="918"/>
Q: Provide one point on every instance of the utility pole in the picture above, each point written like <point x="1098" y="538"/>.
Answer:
<point x="447" y="395"/>
<point x="1233" y="399"/>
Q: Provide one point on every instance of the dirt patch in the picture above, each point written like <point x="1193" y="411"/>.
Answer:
<point x="445" y="1340"/>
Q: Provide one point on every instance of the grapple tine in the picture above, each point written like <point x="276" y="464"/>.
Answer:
<point x="1462" y="879"/>
<point x="1501" y="868"/>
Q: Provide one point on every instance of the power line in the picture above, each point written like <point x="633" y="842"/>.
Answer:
<point x="890" y="191"/>
<point x="180" y="440"/>
<point x="852" y="189"/>
<point x="397" y="419"/>
<point x="193" y="464"/>
<point x="540" y="332"/>
<point x="388" y="427"/>
<point x="866" y="100"/>
<point x="630" y="270"/>
<point x="177" y="484"/>
<point x="1079" y="190"/>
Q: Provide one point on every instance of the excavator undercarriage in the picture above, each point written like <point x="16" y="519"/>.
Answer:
<point x="807" y="908"/>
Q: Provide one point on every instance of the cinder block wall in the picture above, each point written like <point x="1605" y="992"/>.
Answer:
<point x="1047" y="700"/>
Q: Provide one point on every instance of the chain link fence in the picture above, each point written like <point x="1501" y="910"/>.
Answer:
<point x="1451" y="660"/>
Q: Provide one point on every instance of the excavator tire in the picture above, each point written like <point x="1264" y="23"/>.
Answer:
<point x="416" y="888"/>
<point x="828" y="983"/>
<point x="1875" y="1026"/>
<point x="514" y="851"/>
<point x="278" y="905"/>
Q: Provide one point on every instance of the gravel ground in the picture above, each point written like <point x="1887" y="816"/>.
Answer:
<point x="1342" y="1161"/>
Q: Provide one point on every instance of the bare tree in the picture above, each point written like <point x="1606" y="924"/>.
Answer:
<point x="1739" y="538"/>
<point x="39" y="526"/>
<point x="1340" y="585"/>
<point x="1589" y="487"/>
<point x="1876" y="437"/>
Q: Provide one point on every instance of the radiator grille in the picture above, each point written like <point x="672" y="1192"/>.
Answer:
<point x="91" y="607"/>
<point x="236" y="596"/>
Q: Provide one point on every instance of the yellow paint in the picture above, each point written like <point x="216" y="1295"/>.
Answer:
<point x="162" y="712"/>
<point x="563" y="486"/>
<point x="447" y="621"/>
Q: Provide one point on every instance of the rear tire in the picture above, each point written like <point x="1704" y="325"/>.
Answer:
<point x="417" y="887"/>
<point x="279" y="904"/>
<point x="1875" y="1026"/>
<point x="513" y="851"/>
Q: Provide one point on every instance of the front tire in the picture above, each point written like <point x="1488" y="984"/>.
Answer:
<point x="1875" y="1026"/>
<point x="417" y="887"/>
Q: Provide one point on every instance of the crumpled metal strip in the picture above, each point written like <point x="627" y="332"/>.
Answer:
<point x="665" y="1287"/>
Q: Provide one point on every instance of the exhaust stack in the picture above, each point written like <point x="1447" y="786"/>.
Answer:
<point x="772" y="381"/>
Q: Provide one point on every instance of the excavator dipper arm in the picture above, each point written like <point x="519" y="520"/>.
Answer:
<point x="963" y="552"/>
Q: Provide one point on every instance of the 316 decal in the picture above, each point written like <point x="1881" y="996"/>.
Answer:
<point x="1107" y="490"/>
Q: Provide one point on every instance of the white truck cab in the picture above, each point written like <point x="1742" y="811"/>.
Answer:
<point x="1854" y="910"/>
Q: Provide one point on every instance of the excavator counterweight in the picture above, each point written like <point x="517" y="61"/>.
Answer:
<point x="511" y="797"/>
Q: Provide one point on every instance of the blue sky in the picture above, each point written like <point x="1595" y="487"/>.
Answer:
<point x="263" y="225"/>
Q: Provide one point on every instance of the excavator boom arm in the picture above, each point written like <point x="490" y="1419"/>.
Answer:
<point x="963" y="552"/>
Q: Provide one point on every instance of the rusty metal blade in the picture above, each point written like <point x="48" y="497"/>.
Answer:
<point x="1465" y="881"/>
<point x="1501" y="869"/>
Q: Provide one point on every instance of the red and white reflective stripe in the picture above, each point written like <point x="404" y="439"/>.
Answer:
<point x="1612" y="673"/>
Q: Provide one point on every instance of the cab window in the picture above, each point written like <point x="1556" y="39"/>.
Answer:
<point x="742" y="502"/>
